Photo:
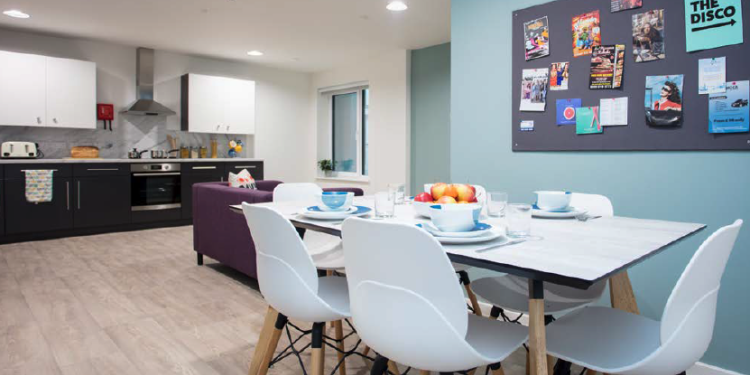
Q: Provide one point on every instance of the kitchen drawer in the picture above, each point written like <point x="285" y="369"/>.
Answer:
<point x="98" y="169"/>
<point x="16" y="171"/>
<point x="203" y="168"/>
<point x="254" y="167"/>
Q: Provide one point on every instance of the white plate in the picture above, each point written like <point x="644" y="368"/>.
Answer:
<point x="314" y="213"/>
<point x="570" y="213"/>
<point x="488" y="236"/>
<point x="473" y="233"/>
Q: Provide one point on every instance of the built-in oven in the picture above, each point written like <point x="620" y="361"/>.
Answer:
<point x="155" y="187"/>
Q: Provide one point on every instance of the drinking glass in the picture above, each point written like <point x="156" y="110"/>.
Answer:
<point x="397" y="190"/>
<point x="519" y="220"/>
<point x="496" y="202"/>
<point x="385" y="205"/>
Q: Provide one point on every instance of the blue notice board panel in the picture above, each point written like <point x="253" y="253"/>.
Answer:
<point x="616" y="28"/>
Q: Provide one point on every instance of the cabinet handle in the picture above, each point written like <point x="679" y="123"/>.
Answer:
<point x="38" y="120"/>
<point x="227" y="127"/>
<point x="28" y="170"/>
<point x="102" y="169"/>
<point x="156" y="174"/>
<point x="79" y="194"/>
<point x="217" y="127"/>
<point x="245" y="166"/>
<point x="206" y="167"/>
<point x="67" y="194"/>
<point x="54" y="119"/>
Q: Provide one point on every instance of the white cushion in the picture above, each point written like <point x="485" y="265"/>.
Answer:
<point x="242" y="180"/>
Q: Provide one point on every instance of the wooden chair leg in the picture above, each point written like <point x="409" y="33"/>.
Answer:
<point x="392" y="367"/>
<point x="339" y="335"/>
<point x="424" y="372"/>
<point x="318" y="351"/>
<point x="528" y="363"/>
<point x="473" y="299"/>
<point x="365" y="352"/>
<point x="273" y="342"/>
<point x="550" y="364"/>
<point x="537" y="329"/>
<point x="263" y="341"/>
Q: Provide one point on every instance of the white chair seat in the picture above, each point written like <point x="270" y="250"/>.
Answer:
<point x="502" y="292"/>
<point x="334" y="291"/>
<point x="329" y="256"/>
<point x="483" y="336"/>
<point x="606" y="339"/>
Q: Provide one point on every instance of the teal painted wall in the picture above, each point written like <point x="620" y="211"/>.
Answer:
<point x="430" y="115"/>
<point x="707" y="187"/>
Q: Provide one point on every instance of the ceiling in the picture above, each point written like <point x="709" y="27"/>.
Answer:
<point x="301" y="35"/>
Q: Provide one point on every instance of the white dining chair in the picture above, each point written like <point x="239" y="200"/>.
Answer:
<point x="612" y="341"/>
<point x="408" y="307"/>
<point x="327" y="252"/>
<point x="462" y="269"/>
<point x="289" y="280"/>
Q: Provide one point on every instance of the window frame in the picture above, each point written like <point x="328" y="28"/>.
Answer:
<point x="359" y="138"/>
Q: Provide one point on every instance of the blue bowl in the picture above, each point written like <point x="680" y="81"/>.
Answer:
<point x="334" y="199"/>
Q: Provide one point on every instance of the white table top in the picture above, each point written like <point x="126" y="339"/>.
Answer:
<point x="567" y="251"/>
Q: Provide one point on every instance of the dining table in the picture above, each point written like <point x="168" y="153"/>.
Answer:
<point x="567" y="252"/>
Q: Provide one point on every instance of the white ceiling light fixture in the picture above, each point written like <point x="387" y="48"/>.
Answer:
<point x="396" y="6"/>
<point x="255" y="53"/>
<point x="16" y="14"/>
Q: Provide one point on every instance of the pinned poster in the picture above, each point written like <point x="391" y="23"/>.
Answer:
<point x="712" y="23"/>
<point x="728" y="112"/>
<point x="566" y="111"/>
<point x="613" y="111"/>
<point x="534" y="90"/>
<point x="587" y="120"/>
<point x="712" y="75"/>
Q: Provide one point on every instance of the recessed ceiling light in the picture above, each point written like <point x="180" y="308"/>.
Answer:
<point x="255" y="53"/>
<point x="396" y="6"/>
<point x="16" y="14"/>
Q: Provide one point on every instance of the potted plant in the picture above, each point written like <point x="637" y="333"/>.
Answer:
<point x="326" y="165"/>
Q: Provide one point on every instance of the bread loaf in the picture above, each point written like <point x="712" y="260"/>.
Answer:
<point x="84" y="152"/>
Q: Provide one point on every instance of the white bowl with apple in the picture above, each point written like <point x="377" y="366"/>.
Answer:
<point x="442" y="193"/>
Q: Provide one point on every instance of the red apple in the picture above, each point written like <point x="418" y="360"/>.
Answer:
<point x="474" y="189"/>
<point x="465" y="194"/>
<point x="424" y="197"/>
<point x="451" y="191"/>
<point x="438" y="190"/>
<point x="446" y="200"/>
<point x="474" y="200"/>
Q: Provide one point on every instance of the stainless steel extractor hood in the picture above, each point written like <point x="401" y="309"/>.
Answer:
<point x="144" y="82"/>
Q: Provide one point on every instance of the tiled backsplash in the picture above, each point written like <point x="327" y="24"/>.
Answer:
<point x="128" y="131"/>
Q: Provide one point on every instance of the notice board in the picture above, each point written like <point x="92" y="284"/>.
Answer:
<point x="616" y="28"/>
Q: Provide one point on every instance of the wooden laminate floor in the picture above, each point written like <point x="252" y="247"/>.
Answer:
<point x="134" y="303"/>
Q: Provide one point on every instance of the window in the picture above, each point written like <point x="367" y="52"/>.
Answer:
<point x="349" y="122"/>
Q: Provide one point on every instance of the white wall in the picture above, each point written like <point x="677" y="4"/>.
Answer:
<point x="283" y="136"/>
<point x="389" y="119"/>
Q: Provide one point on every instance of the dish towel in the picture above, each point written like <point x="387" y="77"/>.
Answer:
<point x="39" y="186"/>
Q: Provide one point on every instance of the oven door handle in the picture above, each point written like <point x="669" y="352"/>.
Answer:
<point x="156" y="174"/>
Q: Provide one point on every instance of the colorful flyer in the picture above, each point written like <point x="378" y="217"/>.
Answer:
<point x="648" y="36"/>
<point x="536" y="38"/>
<point x="607" y="64"/>
<point x="712" y="75"/>
<point x="534" y="90"/>
<point x="664" y="100"/>
<point x="728" y="112"/>
<point x="712" y="24"/>
<point x="566" y="111"/>
<point x="613" y="111"/>
<point x="587" y="120"/>
<point x="558" y="76"/>
<point x="587" y="33"/>
<point x="527" y="126"/>
<point x="620" y="5"/>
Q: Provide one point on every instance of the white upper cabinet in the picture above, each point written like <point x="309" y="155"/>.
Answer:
<point x="217" y="105"/>
<point x="22" y="89"/>
<point x="46" y="91"/>
<point x="71" y="93"/>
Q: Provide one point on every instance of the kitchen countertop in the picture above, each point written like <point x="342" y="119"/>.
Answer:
<point x="129" y="161"/>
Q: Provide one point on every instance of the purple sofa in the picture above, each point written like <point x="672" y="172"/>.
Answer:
<point x="222" y="234"/>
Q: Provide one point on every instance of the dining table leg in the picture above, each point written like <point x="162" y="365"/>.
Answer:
<point x="537" y="330"/>
<point x="621" y="293"/>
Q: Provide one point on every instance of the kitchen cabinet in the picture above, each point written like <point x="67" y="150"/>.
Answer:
<point x="25" y="217"/>
<point x="101" y="195"/>
<point x="71" y="93"/>
<point x="22" y="89"/>
<point x="47" y="91"/>
<point x="217" y="105"/>
<point x="254" y="167"/>
<point x="194" y="173"/>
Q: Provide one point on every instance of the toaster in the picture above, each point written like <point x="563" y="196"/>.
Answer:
<point x="19" y="150"/>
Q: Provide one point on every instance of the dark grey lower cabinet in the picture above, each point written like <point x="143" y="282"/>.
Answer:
<point x="24" y="217"/>
<point x="101" y="201"/>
